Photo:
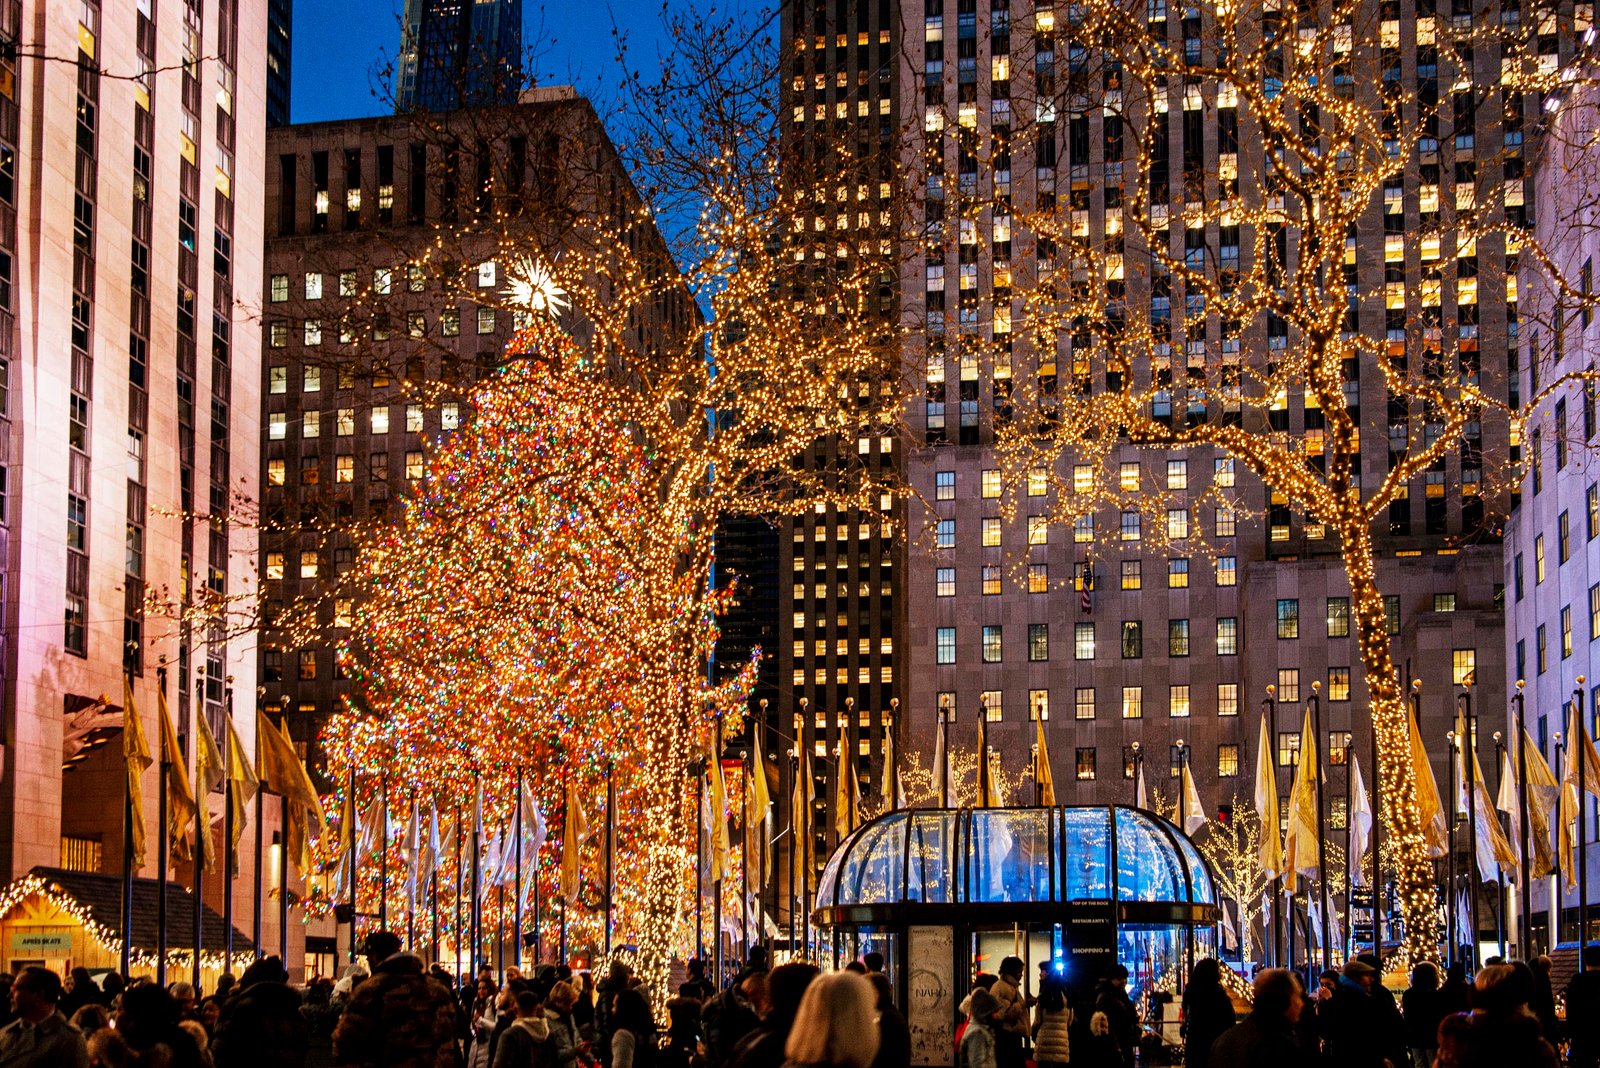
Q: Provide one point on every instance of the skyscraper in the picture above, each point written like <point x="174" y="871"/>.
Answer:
<point x="458" y="54"/>
<point x="280" y="29"/>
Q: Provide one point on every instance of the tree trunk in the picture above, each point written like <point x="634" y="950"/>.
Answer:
<point x="1403" y="826"/>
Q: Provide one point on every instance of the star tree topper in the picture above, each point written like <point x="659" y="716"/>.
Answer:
<point x="533" y="288"/>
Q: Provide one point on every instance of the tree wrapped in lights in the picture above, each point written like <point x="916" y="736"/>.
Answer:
<point x="1213" y="297"/>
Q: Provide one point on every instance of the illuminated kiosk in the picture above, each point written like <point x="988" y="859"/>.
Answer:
<point x="942" y="893"/>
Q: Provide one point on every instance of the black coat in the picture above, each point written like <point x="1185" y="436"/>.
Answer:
<point x="1354" y="1034"/>
<point x="1207" y="1016"/>
<point x="1261" y="1041"/>
<point x="894" y="1040"/>
<point x="262" y="1027"/>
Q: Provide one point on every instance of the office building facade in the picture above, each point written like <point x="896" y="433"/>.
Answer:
<point x="459" y="54"/>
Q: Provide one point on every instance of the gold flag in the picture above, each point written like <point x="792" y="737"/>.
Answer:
<point x="245" y="785"/>
<point x="760" y="789"/>
<point x="1430" y="809"/>
<point x="1579" y="748"/>
<point x="893" y="791"/>
<point x="800" y="802"/>
<point x="1270" y="855"/>
<point x="1042" y="776"/>
<point x="136" y="754"/>
<point x="847" y="796"/>
<point x="287" y="776"/>
<point x="575" y="831"/>
<point x="210" y="773"/>
<point x="180" y="798"/>
<point x="1300" y="843"/>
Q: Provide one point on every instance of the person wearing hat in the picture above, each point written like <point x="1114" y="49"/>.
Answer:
<point x="977" y="1042"/>
<point x="400" y="1018"/>
<point x="1354" y="1033"/>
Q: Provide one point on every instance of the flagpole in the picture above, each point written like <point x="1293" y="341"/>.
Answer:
<point x="699" y="769"/>
<point x="611" y="843"/>
<point x="983" y="753"/>
<point x="200" y="833"/>
<point x="1554" y="903"/>
<point x="1183" y="792"/>
<point x="476" y="918"/>
<point x="227" y="833"/>
<point x="460" y="882"/>
<point x="1277" y="882"/>
<point x="1470" y="778"/>
<point x="1525" y="898"/>
<point x="353" y="861"/>
<point x="1450" y="864"/>
<point x="516" y="937"/>
<point x="1322" y="824"/>
<point x="283" y="853"/>
<point x="1499" y="869"/>
<point x="764" y="841"/>
<point x="716" y="876"/>
<point x="566" y="906"/>
<point x="1585" y="742"/>
<point x="383" y="850"/>
<point x="411" y="895"/>
<point x="258" y="908"/>
<point x="1352" y="862"/>
<point x="794" y="842"/>
<point x="127" y="831"/>
<point x="161" y="848"/>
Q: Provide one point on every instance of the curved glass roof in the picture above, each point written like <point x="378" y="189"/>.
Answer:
<point x="1016" y="855"/>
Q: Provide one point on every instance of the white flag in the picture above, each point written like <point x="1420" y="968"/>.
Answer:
<point x="1194" y="813"/>
<point x="1360" y="824"/>
<point x="1141" y="799"/>
<point x="534" y="834"/>
<point x="941" y="769"/>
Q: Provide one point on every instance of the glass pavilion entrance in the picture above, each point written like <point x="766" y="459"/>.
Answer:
<point x="945" y="893"/>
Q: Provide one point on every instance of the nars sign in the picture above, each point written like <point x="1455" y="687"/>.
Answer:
<point x="41" y="941"/>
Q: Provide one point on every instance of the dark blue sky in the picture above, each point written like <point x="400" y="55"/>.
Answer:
<point x="341" y="48"/>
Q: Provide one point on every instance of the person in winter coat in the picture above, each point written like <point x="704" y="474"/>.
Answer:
<point x="562" y="1048"/>
<point x="1353" y="1029"/>
<point x="894" y="1034"/>
<point x="1111" y="997"/>
<point x="1098" y="1048"/>
<point x="399" y="1018"/>
<point x="147" y="1016"/>
<point x="1266" y="1037"/>
<point x="1052" y="1045"/>
<point x="522" y="1043"/>
<point x="981" y="981"/>
<point x="633" y="1031"/>
<point x="834" y="1027"/>
<point x="1543" y="1002"/>
<point x="615" y="981"/>
<point x="732" y="1014"/>
<point x="683" y="1028"/>
<point x="486" y="1011"/>
<point x="977" y="1040"/>
<point x="1499" y="1030"/>
<point x="1011" y="1020"/>
<point x="1207" y="1012"/>
<point x="1422" y="1008"/>
<point x="786" y="988"/>
<point x="1583" y="1011"/>
<point x="261" y="1025"/>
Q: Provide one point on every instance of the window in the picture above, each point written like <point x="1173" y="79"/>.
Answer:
<point x="1338" y="617"/>
<point x="1563" y="538"/>
<point x="1226" y="524"/>
<point x="1288" y="748"/>
<point x="1177" y="474"/>
<point x="1288" y="619"/>
<point x="308" y="563"/>
<point x="77" y="522"/>
<point x="1228" y="636"/>
<point x="1083" y="702"/>
<point x="1130" y="526"/>
<point x="1038" y="705"/>
<point x="990" y="532"/>
<point x="944" y="485"/>
<point x="450" y="322"/>
<point x="345" y="422"/>
<point x="486" y="274"/>
<point x="1338" y="748"/>
<point x="347" y="283"/>
<point x="1391" y="612"/>
<point x="280" y="288"/>
<point x="449" y="416"/>
<point x="1538" y="559"/>
<point x="311" y="380"/>
<point x="414" y="418"/>
<point x="278" y="334"/>
<point x="945" y="645"/>
<point x="1178" y="573"/>
<point x="991" y="645"/>
<point x="1083" y="641"/>
<point x="413" y="465"/>
<point x="1132" y="702"/>
<point x="1227" y="571"/>
<point x="1038" y="578"/>
<point x="380" y="419"/>
<point x="485" y="320"/>
<point x="1177" y="637"/>
<point x="1130" y="761"/>
<point x="1288" y="685"/>
<point x="991" y="579"/>
<point x="992" y="704"/>
<point x="945" y="582"/>
<point x="1516" y="575"/>
<point x="1085" y="764"/>
<point x="1338" y="684"/>
<point x="275" y="472"/>
<point x="310" y="424"/>
<point x="1132" y="639"/>
<point x="1178" y="702"/>
<point x="1038" y="641"/>
<point x="1038" y="530"/>
<point x="1177" y="523"/>
<point x="1540" y="649"/>
<point x="990" y="484"/>
<point x="1222" y="474"/>
<point x="1227" y="698"/>
<point x="277" y="426"/>
<point x="274" y="566"/>
<point x="382" y="280"/>
<point x="1227" y="761"/>
<point x="278" y="379"/>
<point x="1038" y="482"/>
<point x="1464" y="662"/>
<point x="1130" y="574"/>
<point x="344" y="469"/>
<point x="308" y="664"/>
<point x="1566" y="631"/>
<point x="947" y="534"/>
<point x="1128" y="476"/>
<point x="313" y="285"/>
<point x="1591" y="502"/>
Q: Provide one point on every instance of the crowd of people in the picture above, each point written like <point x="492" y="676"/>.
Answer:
<point x="395" y="1013"/>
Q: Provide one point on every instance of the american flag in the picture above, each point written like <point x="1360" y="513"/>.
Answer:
<point x="1086" y="588"/>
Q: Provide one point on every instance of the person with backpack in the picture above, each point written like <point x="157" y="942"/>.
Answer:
<point x="521" y="1044"/>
